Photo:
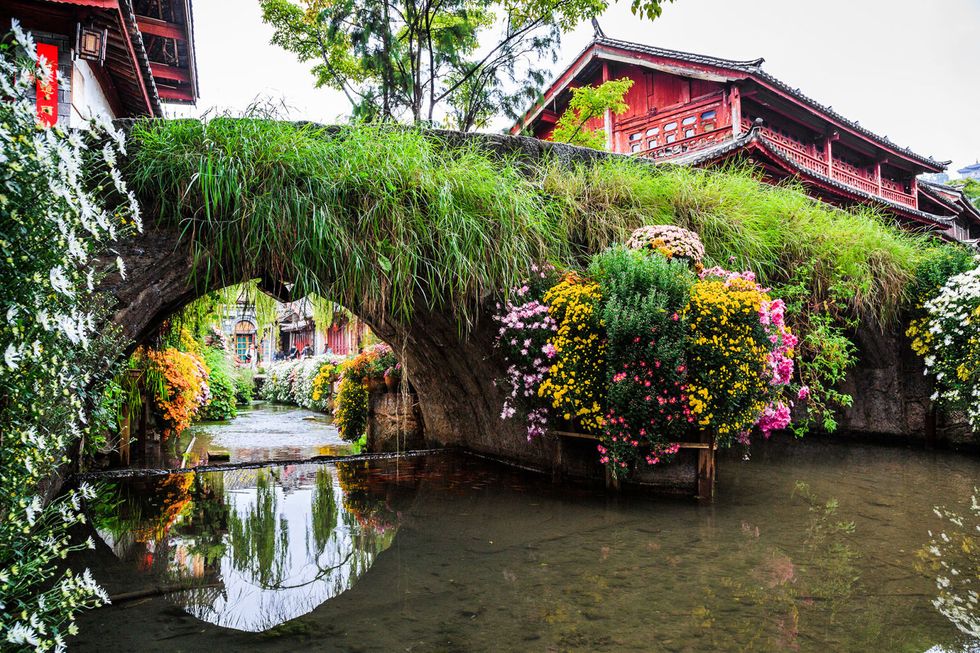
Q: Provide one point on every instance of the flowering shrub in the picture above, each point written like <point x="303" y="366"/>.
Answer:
<point x="948" y="337"/>
<point x="647" y="408"/>
<point x="278" y="384"/>
<point x="371" y="363"/>
<point x="351" y="409"/>
<point x="641" y="352"/>
<point x="306" y="382"/>
<point x="351" y="412"/>
<point x="575" y="381"/>
<point x="322" y="387"/>
<point x="739" y="353"/>
<point x="525" y="334"/>
<point x="669" y="240"/>
<point x="55" y="360"/>
<point x="185" y="387"/>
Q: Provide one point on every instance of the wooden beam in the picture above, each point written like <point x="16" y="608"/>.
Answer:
<point x="162" y="28"/>
<point x="175" y="94"/>
<point x="163" y="71"/>
<point x="128" y="43"/>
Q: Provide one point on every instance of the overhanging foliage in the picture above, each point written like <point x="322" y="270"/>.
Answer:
<point x="382" y="217"/>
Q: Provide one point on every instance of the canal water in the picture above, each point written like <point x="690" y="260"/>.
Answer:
<point x="262" y="433"/>
<point x="809" y="546"/>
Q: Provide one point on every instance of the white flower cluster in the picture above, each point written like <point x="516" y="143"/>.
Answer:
<point x="63" y="202"/>
<point x="952" y="331"/>
<point x="678" y="241"/>
<point x="291" y="381"/>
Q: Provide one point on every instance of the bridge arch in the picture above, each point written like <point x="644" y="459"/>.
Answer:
<point x="448" y="353"/>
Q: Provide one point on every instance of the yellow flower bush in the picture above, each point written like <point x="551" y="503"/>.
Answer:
<point x="729" y="356"/>
<point x="322" y="387"/>
<point x="575" y="384"/>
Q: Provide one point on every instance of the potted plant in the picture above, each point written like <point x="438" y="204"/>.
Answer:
<point x="393" y="377"/>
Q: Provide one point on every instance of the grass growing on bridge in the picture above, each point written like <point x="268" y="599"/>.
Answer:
<point x="381" y="218"/>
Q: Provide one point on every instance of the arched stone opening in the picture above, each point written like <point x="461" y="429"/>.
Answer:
<point x="453" y="373"/>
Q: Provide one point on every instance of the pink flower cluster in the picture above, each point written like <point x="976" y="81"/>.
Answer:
<point x="660" y="452"/>
<point x="775" y="417"/>
<point x="523" y="329"/>
<point x="727" y="275"/>
<point x="772" y="316"/>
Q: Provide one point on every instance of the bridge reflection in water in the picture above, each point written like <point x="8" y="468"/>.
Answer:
<point x="250" y="549"/>
<point x="809" y="546"/>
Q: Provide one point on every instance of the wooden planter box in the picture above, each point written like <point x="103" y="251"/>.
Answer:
<point x="698" y="457"/>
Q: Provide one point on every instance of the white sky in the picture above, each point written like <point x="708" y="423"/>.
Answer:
<point x="906" y="70"/>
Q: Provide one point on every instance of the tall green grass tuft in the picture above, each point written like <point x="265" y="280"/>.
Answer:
<point x="371" y="217"/>
<point x="851" y="256"/>
<point x="381" y="217"/>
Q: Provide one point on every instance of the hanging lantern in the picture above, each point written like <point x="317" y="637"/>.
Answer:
<point x="90" y="43"/>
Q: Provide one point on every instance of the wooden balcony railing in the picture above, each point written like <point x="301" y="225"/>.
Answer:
<point x="674" y="131"/>
<point x="677" y="148"/>
<point x="799" y="153"/>
<point x="796" y="151"/>
<point x="899" y="197"/>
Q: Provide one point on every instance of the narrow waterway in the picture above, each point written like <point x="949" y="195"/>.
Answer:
<point x="262" y="433"/>
<point x="809" y="546"/>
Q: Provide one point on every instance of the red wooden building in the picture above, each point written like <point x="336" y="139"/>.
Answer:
<point x="120" y="58"/>
<point x="700" y="110"/>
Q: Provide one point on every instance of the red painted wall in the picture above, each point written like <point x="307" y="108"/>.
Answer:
<point x="654" y="94"/>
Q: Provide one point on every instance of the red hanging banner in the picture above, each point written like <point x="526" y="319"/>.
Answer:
<point x="47" y="89"/>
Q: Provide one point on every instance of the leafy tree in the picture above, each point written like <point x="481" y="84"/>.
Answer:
<point x="456" y="61"/>
<point x="970" y="188"/>
<point x="590" y="102"/>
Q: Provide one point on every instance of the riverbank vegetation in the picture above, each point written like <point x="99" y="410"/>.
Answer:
<point x="335" y="384"/>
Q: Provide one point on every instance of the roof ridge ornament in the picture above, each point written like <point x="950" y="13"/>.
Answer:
<point x="597" y="30"/>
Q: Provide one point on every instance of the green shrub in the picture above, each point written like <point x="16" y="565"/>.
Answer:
<point x="244" y="386"/>
<point x="644" y="297"/>
<point x="221" y="381"/>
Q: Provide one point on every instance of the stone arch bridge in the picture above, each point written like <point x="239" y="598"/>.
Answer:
<point x="454" y="374"/>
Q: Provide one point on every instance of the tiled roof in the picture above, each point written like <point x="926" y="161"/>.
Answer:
<point x="936" y="191"/>
<point x="750" y="66"/>
<point x="755" y="136"/>
<point x="753" y="68"/>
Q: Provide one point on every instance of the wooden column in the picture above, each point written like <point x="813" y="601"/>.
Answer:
<point x="915" y="191"/>
<point x="608" y="118"/>
<point x="878" y="176"/>
<point x="124" y="435"/>
<point x="930" y="430"/>
<point x="706" y="466"/>
<point x="735" y="110"/>
<point x="829" y="155"/>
